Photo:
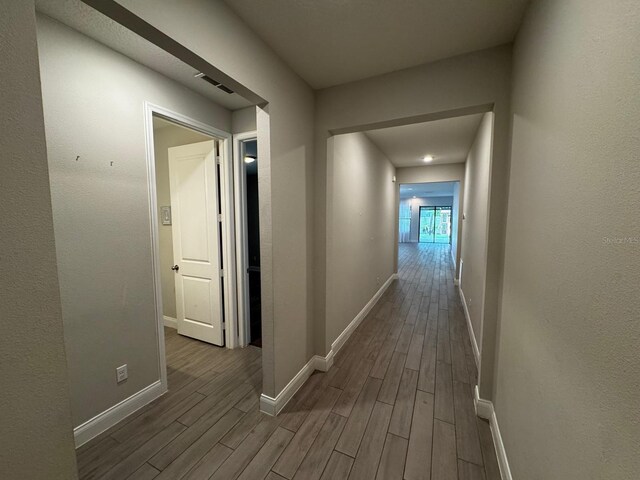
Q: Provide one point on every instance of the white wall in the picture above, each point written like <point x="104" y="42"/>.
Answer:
<point x="448" y="172"/>
<point x="243" y="120"/>
<point x="473" y="247"/>
<point x="568" y="385"/>
<point x="36" y="440"/>
<point x="163" y="139"/>
<point x="93" y="104"/>
<point x="361" y="257"/>
<point x="416" y="203"/>
<point x="285" y="174"/>
<point x="456" y="218"/>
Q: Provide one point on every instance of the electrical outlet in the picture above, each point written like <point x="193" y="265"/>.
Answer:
<point x="121" y="373"/>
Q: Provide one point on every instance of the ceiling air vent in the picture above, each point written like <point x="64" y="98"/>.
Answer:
<point x="213" y="82"/>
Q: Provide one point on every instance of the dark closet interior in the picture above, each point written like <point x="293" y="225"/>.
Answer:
<point x="253" y="240"/>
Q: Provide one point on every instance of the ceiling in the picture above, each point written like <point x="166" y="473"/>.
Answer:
<point x="91" y="23"/>
<point x="421" y="190"/>
<point x="448" y="140"/>
<point x="329" y="42"/>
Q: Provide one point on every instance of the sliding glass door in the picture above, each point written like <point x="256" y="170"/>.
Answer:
<point x="427" y="223"/>
<point x="435" y="225"/>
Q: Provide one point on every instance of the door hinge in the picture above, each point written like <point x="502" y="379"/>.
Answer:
<point x="220" y="217"/>
<point x="218" y="160"/>
<point x="222" y="272"/>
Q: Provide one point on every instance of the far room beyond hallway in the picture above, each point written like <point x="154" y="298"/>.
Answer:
<point x="429" y="213"/>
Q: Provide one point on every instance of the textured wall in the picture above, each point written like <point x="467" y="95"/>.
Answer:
<point x="448" y="172"/>
<point x="568" y="383"/>
<point x="475" y="209"/>
<point x="36" y="442"/>
<point x="285" y="147"/>
<point x="363" y="217"/>
<point x="94" y="108"/>
<point x="456" y="218"/>
<point x="243" y="120"/>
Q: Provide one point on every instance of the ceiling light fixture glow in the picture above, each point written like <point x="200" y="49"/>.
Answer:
<point x="249" y="159"/>
<point x="428" y="158"/>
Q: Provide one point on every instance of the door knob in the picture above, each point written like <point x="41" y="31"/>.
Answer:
<point x="175" y="268"/>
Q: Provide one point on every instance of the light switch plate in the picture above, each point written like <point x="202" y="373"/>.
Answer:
<point x="121" y="373"/>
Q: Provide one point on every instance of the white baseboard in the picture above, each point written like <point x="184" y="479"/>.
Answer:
<point x="273" y="406"/>
<point x="346" y="333"/>
<point x="268" y="405"/>
<point x="324" y="363"/>
<point x="170" y="322"/>
<point x="107" y="419"/>
<point x="474" y="344"/>
<point x="484" y="409"/>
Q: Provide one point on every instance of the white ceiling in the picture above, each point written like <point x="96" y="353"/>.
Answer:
<point x="329" y="42"/>
<point x="421" y="190"/>
<point x="91" y="23"/>
<point x="448" y="140"/>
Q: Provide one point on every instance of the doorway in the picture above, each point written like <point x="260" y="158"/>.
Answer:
<point x="190" y="231"/>
<point x="248" y="238"/>
<point x="435" y="224"/>
<point x="192" y="222"/>
<point x="430" y="212"/>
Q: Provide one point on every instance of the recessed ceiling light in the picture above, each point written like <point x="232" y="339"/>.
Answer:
<point x="428" y="158"/>
<point x="249" y="159"/>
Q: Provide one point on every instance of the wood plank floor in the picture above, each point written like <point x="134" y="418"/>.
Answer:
<point x="397" y="404"/>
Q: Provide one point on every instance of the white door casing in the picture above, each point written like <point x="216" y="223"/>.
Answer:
<point x="196" y="241"/>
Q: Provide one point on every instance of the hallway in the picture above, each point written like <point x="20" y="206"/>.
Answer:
<point x="397" y="400"/>
<point x="519" y="143"/>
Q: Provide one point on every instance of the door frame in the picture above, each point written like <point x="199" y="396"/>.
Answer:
<point x="228" y="231"/>
<point x="242" y="264"/>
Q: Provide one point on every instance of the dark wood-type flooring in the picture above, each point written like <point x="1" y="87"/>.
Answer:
<point x="397" y="404"/>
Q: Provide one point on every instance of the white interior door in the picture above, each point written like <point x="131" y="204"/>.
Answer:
<point x="196" y="241"/>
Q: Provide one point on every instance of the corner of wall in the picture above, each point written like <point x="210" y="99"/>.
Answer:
<point x="485" y="409"/>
